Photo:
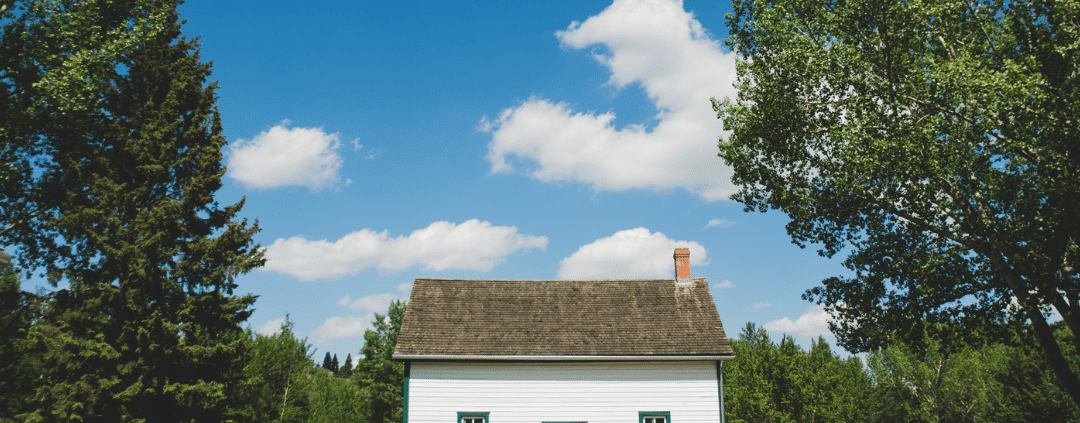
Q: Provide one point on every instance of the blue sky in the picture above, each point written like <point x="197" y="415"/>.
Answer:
<point x="380" y="142"/>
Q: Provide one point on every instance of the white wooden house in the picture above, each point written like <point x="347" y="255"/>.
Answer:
<point x="596" y="351"/>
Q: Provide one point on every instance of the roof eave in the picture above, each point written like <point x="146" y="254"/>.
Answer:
<point x="472" y="357"/>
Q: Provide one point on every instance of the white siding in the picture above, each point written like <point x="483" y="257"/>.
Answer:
<point x="594" y="392"/>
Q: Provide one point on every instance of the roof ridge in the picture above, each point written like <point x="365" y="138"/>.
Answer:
<point x="556" y="280"/>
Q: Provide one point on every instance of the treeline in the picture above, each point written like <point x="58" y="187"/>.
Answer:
<point x="280" y="382"/>
<point x="272" y="379"/>
<point x="276" y="379"/>
<point x="934" y="381"/>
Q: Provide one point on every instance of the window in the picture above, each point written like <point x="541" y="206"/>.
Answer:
<point x="654" y="417"/>
<point x="472" y="417"/>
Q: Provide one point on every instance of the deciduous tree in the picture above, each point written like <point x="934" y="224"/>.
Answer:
<point x="936" y="142"/>
<point x="381" y="378"/>
<point x="782" y="382"/>
<point x="274" y="383"/>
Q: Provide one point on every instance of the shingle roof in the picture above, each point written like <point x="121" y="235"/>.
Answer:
<point x="563" y="317"/>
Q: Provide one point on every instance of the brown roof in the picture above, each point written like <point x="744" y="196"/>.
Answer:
<point x="557" y="318"/>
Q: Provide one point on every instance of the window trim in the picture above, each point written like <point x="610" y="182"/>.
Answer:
<point x="464" y="414"/>
<point x="665" y="414"/>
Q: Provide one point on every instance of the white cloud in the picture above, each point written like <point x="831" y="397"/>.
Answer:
<point x="368" y="303"/>
<point x="632" y="253"/>
<point x="719" y="223"/>
<point x="443" y="245"/>
<point x="761" y="305"/>
<point x="723" y="284"/>
<point x="342" y="327"/>
<point x="661" y="47"/>
<point x="354" y="326"/>
<point x="813" y="323"/>
<point x="285" y="156"/>
<point x="375" y="303"/>
<point x="271" y="327"/>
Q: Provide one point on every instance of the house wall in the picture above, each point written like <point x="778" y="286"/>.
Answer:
<point x="534" y="392"/>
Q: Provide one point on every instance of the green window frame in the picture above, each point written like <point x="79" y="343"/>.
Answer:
<point x="462" y="415"/>
<point x="652" y="415"/>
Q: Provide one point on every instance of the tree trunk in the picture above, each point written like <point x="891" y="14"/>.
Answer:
<point x="1052" y="351"/>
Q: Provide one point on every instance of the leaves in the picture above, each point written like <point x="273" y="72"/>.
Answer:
<point x="116" y="145"/>
<point x="930" y="142"/>
<point x="381" y="378"/>
<point x="783" y="383"/>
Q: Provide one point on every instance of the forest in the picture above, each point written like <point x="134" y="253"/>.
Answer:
<point x="944" y="165"/>
<point x="277" y="378"/>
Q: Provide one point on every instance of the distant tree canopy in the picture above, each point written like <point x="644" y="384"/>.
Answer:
<point x="1000" y="382"/>
<point x="937" y="143"/>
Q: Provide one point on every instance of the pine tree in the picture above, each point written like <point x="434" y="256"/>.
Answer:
<point x="327" y="362"/>
<point x="148" y="327"/>
<point x="334" y="364"/>
<point x="347" y="368"/>
<point x="17" y="368"/>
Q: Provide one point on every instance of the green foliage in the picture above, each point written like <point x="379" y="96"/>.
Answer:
<point x="57" y="59"/>
<point x="18" y="370"/>
<point x="782" y="383"/>
<point x="939" y="387"/>
<point x="272" y="369"/>
<point x="1031" y="391"/>
<point x="347" y="368"/>
<point x="327" y="363"/>
<point x="380" y="377"/>
<point x="1000" y="382"/>
<point x="280" y="383"/>
<point x="333" y="399"/>
<point x="112" y="108"/>
<point x="935" y="142"/>
<point x="991" y="383"/>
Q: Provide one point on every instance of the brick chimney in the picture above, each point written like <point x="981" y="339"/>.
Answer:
<point x="682" y="265"/>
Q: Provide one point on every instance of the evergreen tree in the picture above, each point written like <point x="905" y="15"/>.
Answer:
<point x="334" y="364"/>
<point x="18" y="370"/>
<point x="347" y="368"/>
<point x="148" y="325"/>
<point x="327" y="362"/>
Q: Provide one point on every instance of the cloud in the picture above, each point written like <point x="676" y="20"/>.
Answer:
<point x="374" y="303"/>
<point x="662" y="48"/>
<point x="271" y="327"/>
<point x="813" y="323"/>
<point x="442" y="245"/>
<point x="632" y="253"/>
<point x="283" y="156"/>
<point x="724" y="284"/>
<point x="369" y="303"/>
<point x="719" y="223"/>
<point x="761" y="305"/>
<point x="342" y="327"/>
<point x="354" y="326"/>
